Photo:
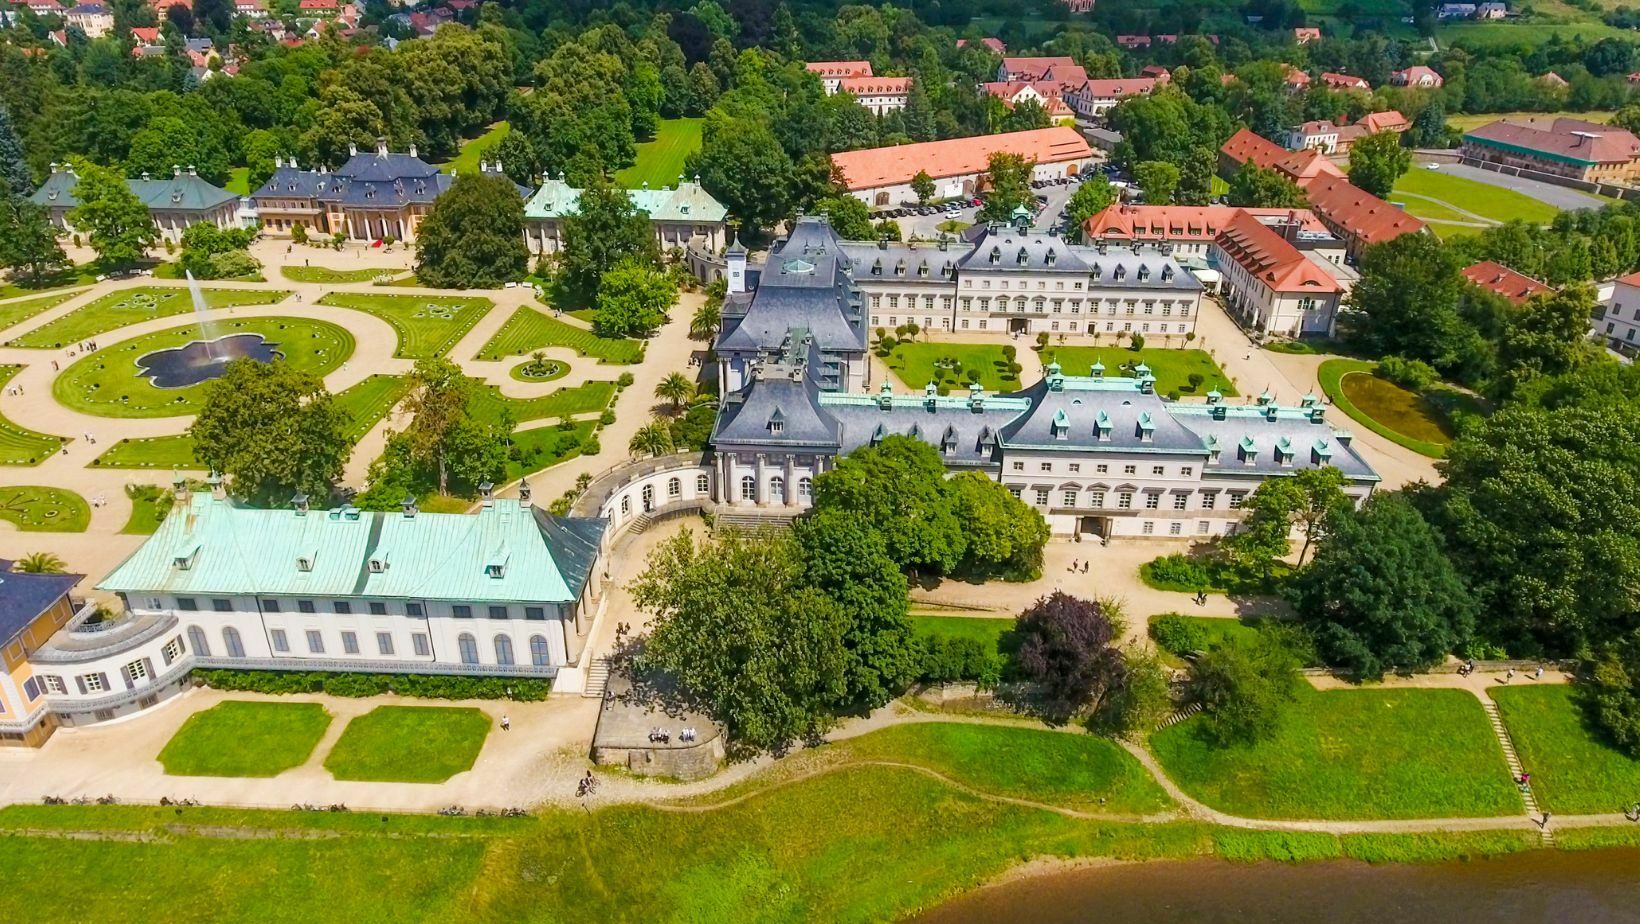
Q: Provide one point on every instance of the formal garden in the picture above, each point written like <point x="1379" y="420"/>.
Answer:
<point x="20" y="445"/>
<point x="529" y="330"/>
<point x="124" y="307"/>
<point x="426" y="325"/>
<point x="1417" y="411"/>
<point x="39" y="508"/>
<point x="1187" y="372"/>
<point x="13" y="313"/>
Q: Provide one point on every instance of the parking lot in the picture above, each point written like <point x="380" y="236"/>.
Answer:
<point x="924" y="221"/>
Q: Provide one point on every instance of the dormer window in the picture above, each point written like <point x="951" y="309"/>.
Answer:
<point x="1147" y="428"/>
<point x="1144" y="273"/>
<point x="1061" y="426"/>
<point x="305" y="562"/>
<point x="1121" y="271"/>
<point x="185" y="559"/>
<point x="877" y="267"/>
<point x="378" y="564"/>
<point x="1247" y="450"/>
<point x="1167" y="273"/>
<point x="996" y="254"/>
<point x="899" y="268"/>
<point x="1051" y="257"/>
<point x="1102" y="427"/>
<point x="496" y="570"/>
<point x="1098" y="272"/>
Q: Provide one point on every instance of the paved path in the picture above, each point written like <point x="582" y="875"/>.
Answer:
<point x="1561" y="197"/>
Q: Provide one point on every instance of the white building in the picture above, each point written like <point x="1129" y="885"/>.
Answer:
<point x="1274" y="287"/>
<point x="881" y="95"/>
<point x="882" y="176"/>
<point x="1319" y="135"/>
<point x="94" y="19"/>
<point x="1620" y="316"/>
<point x="1091" y="99"/>
<point x="832" y="73"/>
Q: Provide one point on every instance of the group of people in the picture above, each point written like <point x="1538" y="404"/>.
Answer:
<point x="686" y="735"/>
<point x="1075" y="562"/>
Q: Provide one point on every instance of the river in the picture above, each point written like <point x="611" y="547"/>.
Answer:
<point x="1585" y="887"/>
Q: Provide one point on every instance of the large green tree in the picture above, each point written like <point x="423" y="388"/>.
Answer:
<point x="1304" y="501"/>
<point x="272" y="430"/>
<point x="1381" y="594"/>
<point x="1244" y="685"/>
<point x="632" y="300"/>
<point x="849" y="217"/>
<point x="1252" y="186"/>
<point x="112" y="216"/>
<point x="898" y="486"/>
<point x="28" y="242"/>
<point x="1007" y="186"/>
<point x="1004" y="535"/>
<point x="1093" y="196"/>
<point x="1406" y="304"/>
<point x="473" y="236"/>
<point x="455" y="436"/>
<point x="605" y="230"/>
<point x="1549" y="335"/>
<point x="15" y="178"/>
<point x="1158" y="180"/>
<point x="1377" y="161"/>
<point x="742" y="164"/>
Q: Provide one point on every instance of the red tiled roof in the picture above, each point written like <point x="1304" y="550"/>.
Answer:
<point x="1388" y="121"/>
<point x="1246" y="145"/>
<point x="1271" y="259"/>
<point x="1412" y="75"/>
<point x="839" y="68"/>
<point x="1303" y="34"/>
<point x="1360" y="214"/>
<point x="1572" y="139"/>
<point x="1305" y="165"/>
<point x="145" y="34"/>
<point x="995" y="44"/>
<point x="956" y="156"/>
<point x="1517" y="287"/>
<point x="1183" y="222"/>
<point x="1038" y="68"/>
<point x="874" y="86"/>
<point x="1344" y="81"/>
<point x="1118" y="87"/>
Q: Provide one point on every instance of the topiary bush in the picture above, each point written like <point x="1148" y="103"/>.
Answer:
<point x="1411" y="374"/>
<point x="1176" y="634"/>
<point x="422" y="686"/>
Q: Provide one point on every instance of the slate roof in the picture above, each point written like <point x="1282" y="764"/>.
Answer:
<point x="805" y="284"/>
<point x="378" y="179"/>
<point x="23" y="597"/>
<point x="1248" y="436"/>
<point x="230" y="549"/>
<point x="1072" y="415"/>
<point x="687" y="202"/>
<point x="777" y="396"/>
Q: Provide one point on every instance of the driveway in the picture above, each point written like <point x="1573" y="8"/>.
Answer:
<point x="927" y="226"/>
<point x="1560" y="197"/>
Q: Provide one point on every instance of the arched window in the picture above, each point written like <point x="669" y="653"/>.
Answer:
<point x="648" y="497"/>
<point x="469" y="648"/>
<point x="626" y="504"/>
<point x="748" y="488"/>
<point x="540" y="655"/>
<point x="230" y="638"/>
<point x="674" y="488"/>
<point x="777" y="489"/>
<point x="703" y="485"/>
<point x="805" y="487"/>
<point x="503" y="650"/>
<point x="196" y="641"/>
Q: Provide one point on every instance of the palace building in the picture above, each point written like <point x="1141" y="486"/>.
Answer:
<point x="680" y="215"/>
<point x="174" y="203"/>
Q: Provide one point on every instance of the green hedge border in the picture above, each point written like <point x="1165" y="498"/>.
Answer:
<point x="1332" y="372"/>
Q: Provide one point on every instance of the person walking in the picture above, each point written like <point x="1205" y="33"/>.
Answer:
<point x="506" y="723"/>
<point x="1509" y="676"/>
<point x="1539" y="674"/>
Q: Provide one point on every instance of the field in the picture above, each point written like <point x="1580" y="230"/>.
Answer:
<point x="466" y="161"/>
<point x="106" y="383"/>
<point x="1492" y="203"/>
<point x="1465" y="122"/>
<point x="426" y="325"/>
<point x="541" y="447"/>
<point x="15" y="313"/>
<point x="238" y="738"/>
<point x="1482" y="35"/>
<point x="20" y="445"/>
<point x="409" y="744"/>
<point x="914" y="365"/>
<point x="149" y="507"/>
<point x="132" y="306"/>
<point x="529" y="330"/>
<point x="1422" y="423"/>
<point x="984" y="629"/>
<point x="660" y="162"/>
<point x="322" y="274"/>
<point x="369" y="401"/>
<point x="1172" y="368"/>
<point x="1573" y="769"/>
<point x="174" y="451"/>
<point x="38" y="509"/>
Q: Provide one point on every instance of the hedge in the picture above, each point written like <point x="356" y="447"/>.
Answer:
<point x="421" y="686"/>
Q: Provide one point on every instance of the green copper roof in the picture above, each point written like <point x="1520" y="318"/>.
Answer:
<point x="181" y="192"/>
<point x="505" y="553"/>
<point x="686" y="203"/>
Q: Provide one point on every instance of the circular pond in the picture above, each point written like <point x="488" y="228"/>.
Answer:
<point x="201" y="360"/>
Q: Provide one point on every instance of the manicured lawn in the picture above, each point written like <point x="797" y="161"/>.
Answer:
<point x="1211" y="630"/>
<point x="149" y="506"/>
<point x="76" y="277"/>
<point x="369" y="401"/>
<point x="586" y="398"/>
<point x="984" y="629"/>
<point x="427" y="325"/>
<point x="323" y="274"/>
<point x="542" y="447"/>
<point x="550" y="369"/>
<point x="131" y="306"/>
<point x="20" y="445"/>
<point x="237" y="738"/>
<point x="1484" y="199"/>
<point x="106" y="383"/>
<point x="529" y="330"/>
<point x="40" y="509"/>
<point x="1573" y="769"/>
<point x="1172" y="368"/>
<point x="660" y="162"/>
<point x="1074" y="770"/>
<point x="409" y="744"/>
<point x="1422" y="423"/>
<point x="1352" y="754"/>
<point x="15" y="313"/>
<point x="174" y="451"/>
<point x="916" y="364"/>
<point x="1481" y="35"/>
<point x="466" y="160"/>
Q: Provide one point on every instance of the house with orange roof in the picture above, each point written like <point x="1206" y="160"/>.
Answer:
<point x="1317" y="134"/>
<point x="1132" y="42"/>
<point x="324" y="9"/>
<point x="1296" y="80"/>
<point x="1271" y="286"/>
<point x="1059" y="69"/>
<point x="1046" y="94"/>
<point x="1304" y="35"/>
<point x="145" y="35"/>
<point x="1495" y="277"/>
<point x="1336" y="81"/>
<point x="879" y="94"/>
<point x="831" y="73"/>
<point x="1190" y="230"/>
<point x="1091" y="99"/>
<point x="1418" y="76"/>
<point x="882" y="176"/>
<point x="995" y="44"/>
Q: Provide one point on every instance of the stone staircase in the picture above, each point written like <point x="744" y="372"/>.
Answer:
<point x="597" y="679"/>
<point x="752" y="522"/>
<point x="1180" y="716"/>
<point x="1511" y="758"/>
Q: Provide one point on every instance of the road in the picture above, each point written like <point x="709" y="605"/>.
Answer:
<point x="1558" y="196"/>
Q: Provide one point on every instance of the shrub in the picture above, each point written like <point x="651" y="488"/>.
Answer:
<point x="1177" y="634"/>
<point x="298" y="234"/>
<point x="1411" y="374"/>
<point x="1009" y="352"/>
<point x="606" y="418"/>
<point x="232" y="264"/>
<point x="1177" y="572"/>
<point x="625" y="381"/>
<point x="1138" y="342"/>
<point x="422" y="686"/>
<point x="949" y="660"/>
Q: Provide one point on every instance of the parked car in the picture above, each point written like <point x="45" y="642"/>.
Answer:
<point x="977" y="202"/>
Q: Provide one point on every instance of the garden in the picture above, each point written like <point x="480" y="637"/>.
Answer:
<point x="529" y="330"/>
<point x="1422" y="417"/>
<point x="172" y="451"/>
<point x="15" y="313"/>
<point x="409" y="744"/>
<point x="325" y="275"/>
<point x="41" y="509"/>
<point x="540" y="369"/>
<point x="1177" y="372"/>
<point x="951" y="366"/>
<point x="238" y="738"/>
<point x="426" y="325"/>
<point x="133" y="306"/>
<point x="20" y="445"/>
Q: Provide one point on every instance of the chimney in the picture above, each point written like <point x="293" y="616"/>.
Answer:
<point x="524" y="491"/>
<point x="299" y="503"/>
<point x="412" y="150"/>
<point x="381" y="146"/>
<point x="352" y="149"/>
<point x="408" y="505"/>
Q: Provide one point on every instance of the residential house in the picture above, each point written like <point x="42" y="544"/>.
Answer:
<point x="1320" y="135"/>
<point x="831" y="73"/>
<point x="1418" y="76"/>
<point x="881" y="95"/>
<point x="1061" y="69"/>
<point x="33" y="607"/>
<point x="1273" y="287"/>
<point x="1619" y="318"/>
<point x="1190" y="230"/>
<point x="1495" y="277"/>
<point x="94" y="19"/>
<point x="994" y="44"/>
<point x="1336" y="81"/>
<point x="1046" y="94"/>
<point x="1091" y="99"/>
<point x="1304" y="35"/>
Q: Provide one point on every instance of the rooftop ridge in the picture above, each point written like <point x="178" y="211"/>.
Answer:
<point x="861" y="399"/>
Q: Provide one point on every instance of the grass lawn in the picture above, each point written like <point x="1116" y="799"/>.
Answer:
<point x="542" y="447"/>
<point x="660" y="162"/>
<point x="1482" y="35"/>
<point x="324" y="274"/>
<point x="1573" y="769"/>
<point x="409" y="744"/>
<point x="466" y="160"/>
<point x="529" y="330"/>
<point x="237" y="738"/>
<point x="239" y="181"/>
<point x="1483" y="199"/>
<point x="20" y="445"/>
<point x="40" y="509"/>
<point x="586" y="398"/>
<point x="1422" y="423"/>
<point x="131" y="306"/>
<point x="369" y="401"/>
<point x="149" y="506"/>
<point x="427" y="325"/>
<point x="78" y="276"/>
<point x="1463" y="122"/>
<point x="1211" y="630"/>
<point x="987" y="630"/>
<point x="174" y="451"/>
<point x="915" y="364"/>
<point x="1352" y="754"/>
<point x="106" y="383"/>
<point x="15" y="313"/>
<point x="1172" y="368"/>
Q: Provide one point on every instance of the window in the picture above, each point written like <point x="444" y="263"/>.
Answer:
<point x="469" y="648"/>
<point x="503" y="650"/>
<point x="1186" y="471"/>
<point x="280" y="643"/>
<point x="1175" y="529"/>
<point x="378" y="608"/>
<point x="1209" y="500"/>
<point x="220" y="605"/>
<point x="196" y="641"/>
<point x="1124" y="500"/>
<point x="498" y="612"/>
<point x="315" y="642"/>
<point x="1202" y="527"/>
<point x="1047" y="466"/>
<point x="777" y="489"/>
<point x="350" y="643"/>
<point x="412" y="609"/>
<point x="384" y="643"/>
<point x="419" y="642"/>
<point x="1101" y="468"/>
<point x="1075" y="467"/>
<point x="1129" y="469"/>
<point x="342" y="608"/>
<point x="1152" y="501"/>
<point x="1068" y="497"/>
<point x="1180" y="500"/>
<point x="54" y="684"/>
<point x="305" y="606"/>
<point x="270" y="606"/>
<point x="230" y="639"/>
<point x="674" y="487"/>
<point x="1149" y="528"/>
<point x="1015" y="490"/>
<point x="540" y="655"/>
<point x="1096" y="499"/>
<point x="1019" y="466"/>
<point x="94" y="683"/>
<point x="1158" y="470"/>
<point x="461" y="611"/>
<point x="1042" y="497"/>
<point x="748" y="488"/>
<point x="1235" y="499"/>
<point x="137" y="670"/>
<point x="703" y="484"/>
<point x="31" y="689"/>
<point x="187" y="604"/>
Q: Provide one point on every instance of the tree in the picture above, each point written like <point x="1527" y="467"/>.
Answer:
<point x="737" y="626"/>
<point x="112" y="216"/>
<point x="898" y="486"/>
<point x="202" y="242"/>
<point x="39" y="563"/>
<point x="675" y="388"/>
<point x="1158" y="180"/>
<point x="450" y="434"/>
<point x="1305" y="500"/>
<point x="1429" y="128"/>
<point x="1244" y="685"/>
<point x="848" y="216"/>
<point x="1549" y="335"/>
<point x="1196" y="177"/>
<point x="651" y="439"/>
<point x="1381" y="594"/>
<point x="1143" y="700"/>
<point x="15" y="177"/>
<point x="272" y="430"/>
<point x="704" y="324"/>
<point x="1007" y="186"/>
<point x="742" y="165"/>
<point x="28" y="242"/>
<point x="632" y="300"/>
<point x="1066" y="648"/>
<point x="473" y="236"/>
<point x="519" y="159"/>
<point x="1004" y="534"/>
<point x="1252" y="186"/>
<point x="923" y="185"/>
<point x="1093" y="196"/>
<point x="1377" y="161"/>
<point x="1406" y="304"/>
<point x="605" y="230"/>
<point x="1612" y="692"/>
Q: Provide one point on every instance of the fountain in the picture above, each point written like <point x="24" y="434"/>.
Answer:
<point x="200" y="360"/>
<point x="200" y="309"/>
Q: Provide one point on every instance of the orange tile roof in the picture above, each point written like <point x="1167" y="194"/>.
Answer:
<point x="1387" y="121"/>
<point x="839" y="68"/>
<point x="1517" y="287"/>
<point x="1360" y="214"/>
<point x="1246" y="145"/>
<point x="1344" y="81"/>
<point x="874" y="86"/>
<point x="1307" y="164"/>
<point x="875" y="167"/>
<point x="1269" y="258"/>
<point x="1197" y="223"/>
